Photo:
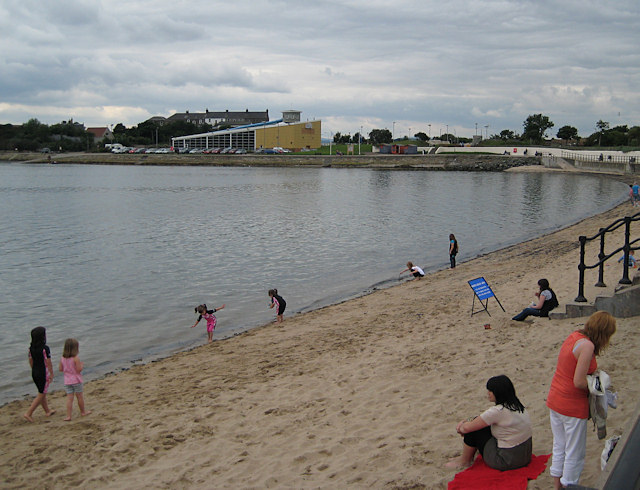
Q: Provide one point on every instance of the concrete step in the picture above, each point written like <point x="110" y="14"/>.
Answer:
<point x="623" y="303"/>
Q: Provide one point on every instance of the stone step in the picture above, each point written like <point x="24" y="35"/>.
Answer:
<point x="623" y="303"/>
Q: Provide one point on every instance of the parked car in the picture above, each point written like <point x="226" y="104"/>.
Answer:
<point x="241" y="151"/>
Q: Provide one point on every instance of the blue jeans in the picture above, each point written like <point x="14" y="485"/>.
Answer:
<point x="526" y="312"/>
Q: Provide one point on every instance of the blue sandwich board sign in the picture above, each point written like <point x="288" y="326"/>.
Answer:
<point x="483" y="292"/>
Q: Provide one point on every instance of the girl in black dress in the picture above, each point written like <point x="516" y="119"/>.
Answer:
<point x="41" y="371"/>
<point x="279" y="303"/>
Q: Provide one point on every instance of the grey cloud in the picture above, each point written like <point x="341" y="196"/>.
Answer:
<point x="347" y="59"/>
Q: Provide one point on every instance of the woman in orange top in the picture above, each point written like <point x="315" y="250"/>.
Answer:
<point x="568" y="398"/>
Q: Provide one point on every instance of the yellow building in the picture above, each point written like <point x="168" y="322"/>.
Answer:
<point x="288" y="133"/>
<point x="293" y="137"/>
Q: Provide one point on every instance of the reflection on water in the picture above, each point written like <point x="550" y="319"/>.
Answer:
<point x="118" y="257"/>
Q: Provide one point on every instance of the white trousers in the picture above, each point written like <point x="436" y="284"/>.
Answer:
<point x="569" y="447"/>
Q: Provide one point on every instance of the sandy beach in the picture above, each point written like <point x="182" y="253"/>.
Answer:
<point x="363" y="394"/>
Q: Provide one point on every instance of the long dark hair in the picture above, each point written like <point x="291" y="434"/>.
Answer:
<point x="38" y="337"/>
<point x="502" y="388"/>
<point x="38" y="340"/>
<point x="544" y="284"/>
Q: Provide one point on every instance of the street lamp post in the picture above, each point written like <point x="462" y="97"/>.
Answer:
<point x="448" y="134"/>
<point x="429" y="131"/>
<point x="393" y="132"/>
<point x="359" y="140"/>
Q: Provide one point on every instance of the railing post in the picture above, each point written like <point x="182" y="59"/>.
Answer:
<point x="580" y="298"/>
<point x="627" y="235"/>
<point x="601" y="255"/>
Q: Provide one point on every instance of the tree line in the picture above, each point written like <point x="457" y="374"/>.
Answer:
<point x="71" y="136"/>
<point x="535" y="131"/>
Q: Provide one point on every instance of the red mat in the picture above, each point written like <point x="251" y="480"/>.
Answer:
<point x="480" y="476"/>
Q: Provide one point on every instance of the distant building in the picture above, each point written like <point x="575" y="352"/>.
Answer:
<point x="101" y="133"/>
<point x="399" y="149"/>
<point x="215" y="119"/>
<point x="267" y="134"/>
<point x="159" y="120"/>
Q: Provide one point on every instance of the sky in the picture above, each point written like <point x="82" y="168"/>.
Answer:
<point x="466" y="67"/>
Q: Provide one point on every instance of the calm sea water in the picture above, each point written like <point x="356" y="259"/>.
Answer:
<point x="119" y="256"/>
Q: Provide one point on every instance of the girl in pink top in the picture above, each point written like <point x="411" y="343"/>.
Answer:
<point x="210" y="317"/>
<point x="72" y="366"/>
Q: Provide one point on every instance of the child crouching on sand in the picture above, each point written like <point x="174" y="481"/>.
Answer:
<point x="417" y="272"/>
<point x="72" y="366"/>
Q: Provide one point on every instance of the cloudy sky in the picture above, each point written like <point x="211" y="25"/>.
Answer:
<point x="401" y="65"/>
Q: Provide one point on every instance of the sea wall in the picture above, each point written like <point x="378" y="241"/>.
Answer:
<point x="452" y="162"/>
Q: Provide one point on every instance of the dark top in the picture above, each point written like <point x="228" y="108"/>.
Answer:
<point x="37" y="354"/>
<point x="549" y="305"/>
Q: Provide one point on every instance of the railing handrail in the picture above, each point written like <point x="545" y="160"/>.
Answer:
<point x="602" y="257"/>
<point x="592" y="157"/>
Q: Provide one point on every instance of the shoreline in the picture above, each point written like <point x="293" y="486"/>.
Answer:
<point x="161" y="354"/>
<point x="365" y="392"/>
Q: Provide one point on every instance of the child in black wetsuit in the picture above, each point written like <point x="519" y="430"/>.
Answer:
<point x="41" y="371"/>
<point x="279" y="303"/>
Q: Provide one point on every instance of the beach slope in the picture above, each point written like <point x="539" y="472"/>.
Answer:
<point x="366" y="393"/>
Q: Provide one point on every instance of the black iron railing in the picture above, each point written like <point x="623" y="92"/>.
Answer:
<point x="583" y="156"/>
<point x="628" y="246"/>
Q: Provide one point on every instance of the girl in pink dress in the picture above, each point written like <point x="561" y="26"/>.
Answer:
<point x="210" y="317"/>
<point x="71" y="366"/>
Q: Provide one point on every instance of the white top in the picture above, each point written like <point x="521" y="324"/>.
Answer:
<point x="417" y="269"/>
<point x="546" y="294"/>
<point x="509" y="427"/>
